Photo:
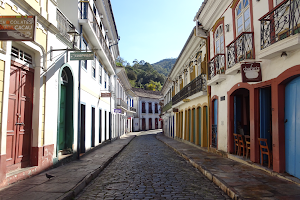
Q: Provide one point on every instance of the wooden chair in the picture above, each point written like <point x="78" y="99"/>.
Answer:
<point x="247" y="141"/>
<point x="264" y="150"/>
<point x="236" y="143"/>
<point x="241" y="144"/>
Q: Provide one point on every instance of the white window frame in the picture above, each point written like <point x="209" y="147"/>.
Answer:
<point x="93" y="71"/>
<point x="219" y="39"/>
<point x="242" y="16"/>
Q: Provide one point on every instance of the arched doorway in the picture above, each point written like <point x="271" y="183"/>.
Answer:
<point x="199" y="129"/>
<point x="65" y="112"/>
<point x="241" y="112"/>
<point x="292" y="126"/>
<point x="205" y="127"/>
<point x="214" y="128"/>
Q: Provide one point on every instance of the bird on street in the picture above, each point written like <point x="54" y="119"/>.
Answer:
<point x="49" y="176"/>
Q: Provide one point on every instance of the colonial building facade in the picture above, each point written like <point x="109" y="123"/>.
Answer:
<point x="52" y="106"/>
<point x="147" y="108"/>
<point x="253" y="75"/>
<point x="185" y="111"/>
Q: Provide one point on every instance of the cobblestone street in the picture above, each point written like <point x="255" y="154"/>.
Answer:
<point x="148" y="169"/>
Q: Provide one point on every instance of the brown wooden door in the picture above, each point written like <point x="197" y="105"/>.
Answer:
<point x="156" y="123"/>
<point x="144" y="124"/>
<point x="150" y="123"/>
<point x="19" y="117"/>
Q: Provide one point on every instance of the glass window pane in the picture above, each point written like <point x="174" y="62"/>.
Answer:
<point x="218" y="46"/>
<point x="246" y="3"/>
<point x="239" y="9"/>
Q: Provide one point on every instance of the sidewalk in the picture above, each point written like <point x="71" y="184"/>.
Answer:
<point x="238" y="180"/>
<point x="69" y="179"/>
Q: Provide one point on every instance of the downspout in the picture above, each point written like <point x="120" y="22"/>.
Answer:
<point x="79" y="107"/>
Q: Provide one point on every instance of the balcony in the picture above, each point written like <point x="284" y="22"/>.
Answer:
<point x="63" y="24"/>
<point x="194" y="89"/>
<point x="241" y="49"/>
<point x="167" y="106"/>
<point x="122" y="104"/>
<point x="92" y="28"/>
<point x="279" y="30"/>
<point x="216" y="69"/>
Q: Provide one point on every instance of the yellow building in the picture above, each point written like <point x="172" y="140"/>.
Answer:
<point x="185" y="111"/>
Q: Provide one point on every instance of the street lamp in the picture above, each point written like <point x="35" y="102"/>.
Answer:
<point x="73" y="32"/>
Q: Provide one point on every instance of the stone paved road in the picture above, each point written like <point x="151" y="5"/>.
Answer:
<point x="147" y="169"/>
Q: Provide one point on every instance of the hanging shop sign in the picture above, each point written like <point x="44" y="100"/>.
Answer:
<point x="186" y="100"/>
<point x="117" y="110"/>
<point x="17" y="28"/>
<point x="251" y="72"/>
<point x="82" y="56"/>
<point x="105" y="94"/>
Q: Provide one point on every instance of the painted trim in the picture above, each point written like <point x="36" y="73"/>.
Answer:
<point x="58" y="107"/>
<point x="215" y="97"/>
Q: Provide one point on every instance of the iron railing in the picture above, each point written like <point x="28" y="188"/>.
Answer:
<point x="132" y="109"/>
<point x="63" y="24"/>
<point x="240" y="49"/>
<point x="196" y="85"/>
<point x="280" y="22"/>
<point x="86" y="12"/>
<point x="167" y="106"/>
<point x="216" y="66"/>
<point x="214" y="135"/>
<point x="121" y="102"/>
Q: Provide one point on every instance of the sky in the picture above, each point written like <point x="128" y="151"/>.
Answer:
<point x="152" y="30"/>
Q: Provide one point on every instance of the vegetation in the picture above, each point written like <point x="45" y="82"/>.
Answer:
<point x="144" y="75"/>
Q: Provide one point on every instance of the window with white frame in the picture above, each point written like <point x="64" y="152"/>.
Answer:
<point x="243" y="17"/>
<point x="219" y="38"/>
<point x="105" y="79"/>
<point x="100" y="72"/>
<point x="84" y="48"/>
<point x="94" y="68"/>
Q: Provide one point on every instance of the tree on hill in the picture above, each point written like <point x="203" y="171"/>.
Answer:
<point x="143" y="75"/>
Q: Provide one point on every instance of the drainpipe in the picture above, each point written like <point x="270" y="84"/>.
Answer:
<point x="79" y="106"/>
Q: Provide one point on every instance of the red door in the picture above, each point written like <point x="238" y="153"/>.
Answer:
<point x="19" y="117"/>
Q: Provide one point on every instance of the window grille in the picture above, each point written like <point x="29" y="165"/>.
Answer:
<point x="17" y="53"/>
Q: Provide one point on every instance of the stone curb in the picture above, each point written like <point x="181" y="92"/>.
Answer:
<point x="229" y="191"/>
<point x="70" y="195"/>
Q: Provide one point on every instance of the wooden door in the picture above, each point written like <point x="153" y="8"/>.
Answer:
<point x="62" y="119"/>
<point x="19" y="117"/>
<point x="292" y="127"/>
<point x="150" y="123"/>
<point x="143" y="124"/>
<point x="156" y="123"/>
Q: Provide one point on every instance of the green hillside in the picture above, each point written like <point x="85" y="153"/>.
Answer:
<point x="164" y="66"/>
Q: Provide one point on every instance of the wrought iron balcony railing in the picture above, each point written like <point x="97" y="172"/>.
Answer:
<point x="86" y="12"/>
<point x="214" y="135"/>
<point x="132" y="109"/>
<point x="63" y="24"/>
<point x="240" y="49"/>
<point x="122" y="103"/>
<point x="167" y="106"/>
<point x="216" y="66"/>
<point x="196" y="85"/>
<point x="280" y="23"/>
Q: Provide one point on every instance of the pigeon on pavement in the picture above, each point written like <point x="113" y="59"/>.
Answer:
<point x="49" y="176"/>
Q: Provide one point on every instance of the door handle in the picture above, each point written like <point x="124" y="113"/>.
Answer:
<point x="285" y="121"/>
<point x="22" y="124"/>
